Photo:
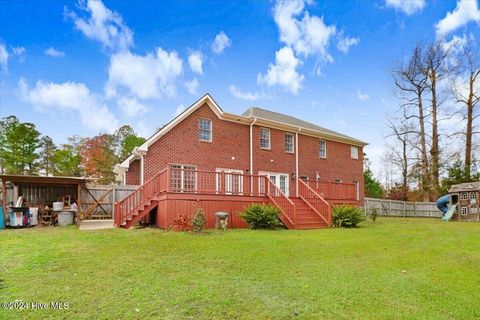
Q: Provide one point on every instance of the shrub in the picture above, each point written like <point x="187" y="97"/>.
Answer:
<point x="262" y="216"/>
<point x="373" y="214"/>
<point x="347" y="216"/>
<point x="198" y="221"/>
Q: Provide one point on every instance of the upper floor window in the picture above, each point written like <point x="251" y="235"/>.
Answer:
<point x="205" y="130"/>
<point x="464" y="196"/>
<point x="289" y="146"/>
<point x="323" y="149"/>
<point x="473" y="195"/>
<point x="354" y="152"/>
<point x="264" y="138"/>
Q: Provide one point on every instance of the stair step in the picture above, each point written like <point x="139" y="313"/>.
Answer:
<point x="96" y="224"/>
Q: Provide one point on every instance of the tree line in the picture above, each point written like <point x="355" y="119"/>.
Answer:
<point x="25" y="151"/>
<point x="432" y="140"/>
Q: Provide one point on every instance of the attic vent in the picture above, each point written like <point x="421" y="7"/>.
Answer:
<point x="468" y="186"/>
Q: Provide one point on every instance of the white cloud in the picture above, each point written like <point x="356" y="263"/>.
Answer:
<point x="179" y="109"/>
<point x="284" y="72"/>
<point x="150" y="76"/>
<point x="306" y="34"/>
<point x="195" y="60"/>
<point x="221" y="42"/>
<point x="3" y="57"/>
<point x="54" y="53"/>
<point x="408" y="7"/>
<point x="192" y="86"/>
<point x="103" y="25"/>
<point x="131" y="106"/>
<point x="18" y="51"/>
<point x="237" y="93"/>
<point x="344" y="43"/>
<point x="464" y="12"/>
<point x="70" y="96"/>
<point x="362" y="96"/>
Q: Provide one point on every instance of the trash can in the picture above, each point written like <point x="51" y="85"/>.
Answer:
<point x="221" y="220"/>
<point x="65" y="218"/>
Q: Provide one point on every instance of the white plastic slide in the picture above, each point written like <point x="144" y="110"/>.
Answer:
<point x="448" y="215"/>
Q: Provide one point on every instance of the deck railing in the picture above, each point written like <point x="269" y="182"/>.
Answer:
<point x="215" y="182"/>
<point x="282" y="201"/>
<point x="125" y="209"/>
<point x="315" y="201"/>
<point x="334" y="190"/>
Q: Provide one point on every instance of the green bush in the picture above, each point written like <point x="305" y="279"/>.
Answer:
<point x="262" y="216"/>
<point x="198" y="221"/>
<point x="347" y="216"/>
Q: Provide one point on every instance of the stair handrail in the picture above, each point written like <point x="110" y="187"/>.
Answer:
<point x="279" y="201"/>
<point x="318" y="204"/>
<point x="152" y="187"/>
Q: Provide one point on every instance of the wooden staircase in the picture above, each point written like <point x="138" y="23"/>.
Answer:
<point x="141" y="201"/>
<point x="307" y="218"/>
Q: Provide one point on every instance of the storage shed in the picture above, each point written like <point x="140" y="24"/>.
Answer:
<point x="466" y="197"/>
<point x="39" y="191"/>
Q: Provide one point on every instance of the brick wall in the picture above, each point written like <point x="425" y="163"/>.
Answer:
<point x="133" y="173"/>
<point x="276" y="159"/>
<point x="229" y="148"/>
<point x="337" y="165"/>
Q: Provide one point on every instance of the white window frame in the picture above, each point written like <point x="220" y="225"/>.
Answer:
<point x="354" y="152"/>
<point x="464" y="211"/>
<point x="303" y="177"/>
<point x="338" y="180"/>
<point x="292" y="145"/>
<point x="464" y="196"/>
<point x="277" y="176"/>
<point x="320" y="149"/>
<point x="473" y="195"/>
<point x="229" y="180"/>
<point x="267" y="139"/>
<point x="202" y="130"/>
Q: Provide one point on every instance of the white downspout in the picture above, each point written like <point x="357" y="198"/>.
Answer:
<point x="296" y="161"/>
<point x="251" y="145"/>
<point x="251" y="156"/>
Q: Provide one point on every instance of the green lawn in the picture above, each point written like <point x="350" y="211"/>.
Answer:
<point x="393" y="269"/>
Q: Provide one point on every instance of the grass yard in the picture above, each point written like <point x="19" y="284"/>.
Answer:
<point x="393" y="269"/>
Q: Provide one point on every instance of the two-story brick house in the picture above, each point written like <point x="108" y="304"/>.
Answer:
<point x="208" y="156"/>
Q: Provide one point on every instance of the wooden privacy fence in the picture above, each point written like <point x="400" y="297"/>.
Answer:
<point x="395" y="208"/>
<point x="98" y="200"/>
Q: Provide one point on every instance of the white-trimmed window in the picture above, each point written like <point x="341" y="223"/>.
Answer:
<point x="289" y="144"/>
<point x="304" y="178"/>
<point x="338" y="180"/>
<point x="464" y="210"/>
<point x="322" y="152"/>
<point x="464" y="196"/>
<point x="354" y="152"/>
<point x="183" y="177"/>
<point x="473" y="195"/>
<point x="205" y="130"/>
<point x="265" y="138"/>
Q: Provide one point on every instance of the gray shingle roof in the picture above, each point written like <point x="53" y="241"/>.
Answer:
<point x="467" y="186"/>
<point x="289" y="120"/>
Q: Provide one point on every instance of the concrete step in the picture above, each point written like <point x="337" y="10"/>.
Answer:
<point x="96" y="224"/>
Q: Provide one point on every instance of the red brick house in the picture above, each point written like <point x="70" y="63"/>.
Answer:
<point x="207" y="158"/>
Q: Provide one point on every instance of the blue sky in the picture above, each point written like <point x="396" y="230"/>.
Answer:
<point x="87" y="67"/>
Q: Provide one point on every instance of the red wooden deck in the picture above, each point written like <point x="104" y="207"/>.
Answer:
<point x="173" y="192"/>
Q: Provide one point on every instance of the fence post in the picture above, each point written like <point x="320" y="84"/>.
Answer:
<point x="404" y="208"/>
<point x="415" y="209"/>
<point x="113" y="200"/>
